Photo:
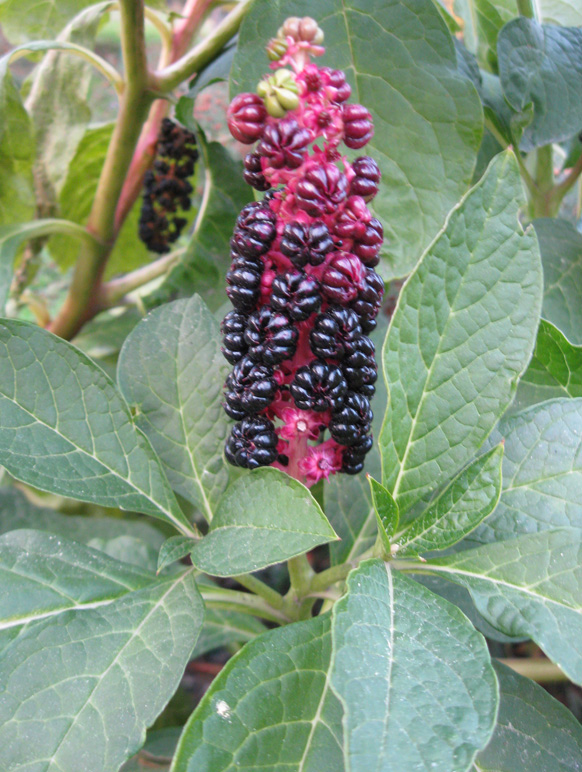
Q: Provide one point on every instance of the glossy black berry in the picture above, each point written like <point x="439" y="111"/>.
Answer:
<point x="296" y="294"/>
<point x="252" y="443"/>
<point x="359" y="366"/>
<point x="353" y="456"/>
<point x="233" y="327"/>
<point x="270" y="336"/>
<point x="284" y="144"/>
<point x="318" y="386"/>
<point x="366" y="181"/>
<point x="253" y="173"/>
<point x="367" y="247"/>
<point x="333" y="331"/>
<point x="249" y="388"/>
<point x="369" y="298"/>
<point x="243" y="287"/>
<point x="255" y="230"/>
<point x="304" y="244"/>
<point x="352" y="420"/>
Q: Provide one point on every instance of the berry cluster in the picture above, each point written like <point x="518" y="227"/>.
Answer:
<point x="302" y="278"/>
<point x="166" y="187"/>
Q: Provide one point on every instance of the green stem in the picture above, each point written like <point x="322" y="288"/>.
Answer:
<point x="113" y="292"/>
<point x="244" y="602"/>
<point x="325" y="579"/>
<point x="526" y="8"/>
<point x="167" y="79"/>
<point x="261" y="589"/>
<point x="301" y="575"/>
<point x="567" y="184"/>
<point x="526" y="176"/>
<point x="543" y="200"/>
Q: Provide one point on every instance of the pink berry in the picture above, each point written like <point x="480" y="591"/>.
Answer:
<point x="246" y="117"/>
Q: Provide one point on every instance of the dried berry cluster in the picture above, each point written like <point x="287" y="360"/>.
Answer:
<point x="166" y="187"/>
<point x="302" y="279"/>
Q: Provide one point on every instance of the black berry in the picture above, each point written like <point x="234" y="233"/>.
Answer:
<point x="234" y="346"/>
<point x="249" y="388"/>
<point x="297" y="294"/>
<point x="270" y="336"/>
<point x="318" y="386"/>
<point x="253" y="173"/>
<point x="352" y="420"/>
<point x="252" y="443"/>
<point x="304" y="244"/>
<point x="333" y="331"/>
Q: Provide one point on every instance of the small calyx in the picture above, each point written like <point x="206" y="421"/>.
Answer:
<point x="302" y="279"/>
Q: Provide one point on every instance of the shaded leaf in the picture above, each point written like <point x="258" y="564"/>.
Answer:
<point x="458" y="509"/>
<point x="66" y="429"/>
<point x="426" y="139"/>
<point x="542" y="471"/>
<point x="270" y="707"/>
<point x="386" y="512"/>
<point x="413" y="675"/>
<point x="218" y="70"/>
<point x="175" y="548"/>
<point x="542" y="65"/>
<point x="262" y="518"/>
<point x="223" y="627"/>
<point x="24" y="20"/>
<point x="171" y="370"/>
<point x="530" y="587"/>
<point x="533" y="731"/>
<point x="461" y="335"/>
<point x="96" y="679"/>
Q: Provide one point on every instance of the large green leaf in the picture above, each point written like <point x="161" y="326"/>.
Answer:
<point x="561" y="249"/>
<point x="58" y="104"/>
<point x="530" y="587"/>
<point x="43" y="575"/>
<point x="401" y="63"/>
<point x="24" y="20"/>
<point x="555" y="369"/>
<point x="542" y="471"/>
<point x="262" y="518"/>
<point x="66" y="429"/>
<point x="270" y="708"/>
<point x="17" y="149"/>
<point x="567" y="13"/>
<point x="460" y="337"/>
<point x="542" y="65"/>
<point x="534" y="732"/>
<point x="78" y="693"/>
<point x="203" y="266"/>
<point x="413" y="675"/>
<point x="171" y="370"/>
<point x="458" y="509"/>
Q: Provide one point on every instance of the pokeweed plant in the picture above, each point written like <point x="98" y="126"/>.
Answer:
<point x="466" y="521"/>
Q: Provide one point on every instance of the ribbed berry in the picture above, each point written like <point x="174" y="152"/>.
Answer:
<point x="243" y="287"/>
<point x="367" y="247"/>
<point x="333" y="332"/>
<point x="321" y="190"/>
<point x="246" y="117"/>
<point x="358" y="128"/>
<point x="270" y="336"/>
<point x="353" y="456"/>
<point x="359" y="366"/>
<point x="338" y="89"/>
<point x="352" y="420"/>
<point x="296" y="294"/>
<point x="252" y="443"/>
<point x="249" y="388"/>
<point x="303" y="243"/>
<point x="369" y="298"/>
<point x="253" y="173"/>
<point x="318" y="386"/>
<point x="351" y="221"/>
<point x="255" y="230"/>
<point x="366" y="182"/>
<point x="284" y="144"/>
<point x="233" y="327"/>
<point x="343" y="278"/>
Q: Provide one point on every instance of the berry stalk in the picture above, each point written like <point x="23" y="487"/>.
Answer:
<point x="302" y="278"/>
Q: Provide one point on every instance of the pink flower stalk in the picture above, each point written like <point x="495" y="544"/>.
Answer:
<point x="302" y="279"/>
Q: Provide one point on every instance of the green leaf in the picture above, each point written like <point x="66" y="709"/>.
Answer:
<point x="171" y="370"/>
<point x="66" y="429"/>
<point x="264" y="517"/>
<point x="16" y="511"/>
<point x="76" y="199"/>
<point x="12" y="237"/>
<point x="94" y="680"/>
<point x="58" y="104"/>
<point x="218" y="70"/>
<point x="462" y="333"/>
<point x="348" y="505"/>
<point x="561" y="249"/>
<point x="426" y="139"/>
<point x="566" y="13"/>
<point x="534" y="731"/>
<point x="458" y="510"/>
<point x="175" y="548"/>
<point x="386" y="509"/>
<point x="203" y="266"/>
<point x="223" y="627"/>
<point x="24" y="20"/>
<point x="531" y="587"/>
<point x="555" y="369"/>
<point x="413" y="675"/>
<point x="542" y="65"/>
<point x="17" y="149"/>
<point x="542" y="471"/>
<point x="43" y="575"/>
<point x="270" y="708"/>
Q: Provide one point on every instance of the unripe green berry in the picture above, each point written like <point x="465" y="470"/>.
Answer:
<point x="276" y="49"/>
<point x="280" y="93"/>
